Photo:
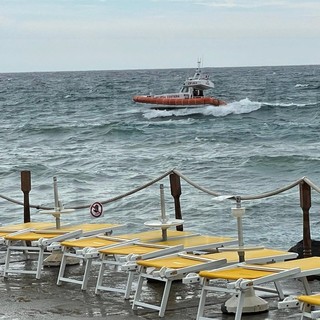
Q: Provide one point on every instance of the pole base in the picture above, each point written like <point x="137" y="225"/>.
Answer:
<point x="251" y="304"/>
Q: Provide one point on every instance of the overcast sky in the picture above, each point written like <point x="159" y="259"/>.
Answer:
<point x="52" y="35"/>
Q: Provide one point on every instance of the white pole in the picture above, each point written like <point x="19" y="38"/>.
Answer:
<point x="238" y="212"/>
<point x="56" y="202"/>
<point x="56" y="196"/>
<point x="163" y="213"/>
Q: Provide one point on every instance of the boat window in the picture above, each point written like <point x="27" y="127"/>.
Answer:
<point x="197" y="93"/>
<point x="184" y="89"/>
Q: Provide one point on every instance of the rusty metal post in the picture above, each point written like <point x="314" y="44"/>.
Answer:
<point x="26" y="188"/>
<point x="176" y="193"/>
<point x="305" y="204"/>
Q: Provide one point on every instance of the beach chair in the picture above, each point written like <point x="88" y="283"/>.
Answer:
<point x="156" y="235"/>
<point x="128" y="252"/>
<point x="308" y="302"/>
<point x="242" y="279"/>
<point x="309" y="305"/>
<point x="87" y="249"/>
<point x="129" y="255"/>
<point x="40" y="239"/>
<point x="177" y="266"/>
<point x="22" y="227"/>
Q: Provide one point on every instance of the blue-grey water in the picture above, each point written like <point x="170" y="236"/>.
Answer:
<point x="84" y="129"/>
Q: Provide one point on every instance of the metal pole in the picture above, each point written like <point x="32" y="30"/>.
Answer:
<point x="240" y="231"/>
<point x="176" y="193"/>
<point x="26" y="188"/>
<point x="305" y="204"/>
<point x="56" y="202"/>
<point x="163" y="213"/>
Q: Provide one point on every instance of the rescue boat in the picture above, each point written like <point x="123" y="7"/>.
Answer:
<point x="190" y="95"/>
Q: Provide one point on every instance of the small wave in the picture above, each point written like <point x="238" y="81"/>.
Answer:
<point x="290" y="104"/>
<point x="236" y="107"/>
<point x="299" y="85"/>
<point x="154" y="113"/>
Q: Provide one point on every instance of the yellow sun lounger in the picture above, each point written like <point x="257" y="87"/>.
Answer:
<point x="131" y="254"/>
<point x="308" y="302"/>
<point x="147" y="244"/>
<point x="173" y="267"/>
<point x="201" y="242"/>
<point x="42" y="238"/>
<point x="241" y="278"/>
<point x="87" y="249"/>
<point x="156" y="235"/>
<point x="22" y="227"/>
<point x="309" y="305"/>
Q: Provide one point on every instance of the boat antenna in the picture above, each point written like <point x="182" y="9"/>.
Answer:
<point x="199" y="63"/>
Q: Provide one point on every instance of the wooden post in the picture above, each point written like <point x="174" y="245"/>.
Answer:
<point x="305" y="204"/>
<point x="26" y="188"/>
<point x="176" y="193"/>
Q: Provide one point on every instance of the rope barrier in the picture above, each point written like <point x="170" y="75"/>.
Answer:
<point x="311" y="184"/>
<point x="190" y="182"/>
<point x="272" y="193"/>
<point x="21" y="203"/>
<point x="130" y="192"/>
<point x="213" y="193"/>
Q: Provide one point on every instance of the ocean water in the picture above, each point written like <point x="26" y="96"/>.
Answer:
<point x="84" y="129"/>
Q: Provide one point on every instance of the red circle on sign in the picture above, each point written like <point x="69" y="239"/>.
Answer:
<point x="96" y="210"/>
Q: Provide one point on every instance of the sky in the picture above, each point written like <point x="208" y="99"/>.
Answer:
<point x="74" y="35"/>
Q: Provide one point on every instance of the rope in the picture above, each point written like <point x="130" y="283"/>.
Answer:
<point x="213" y="193"/>
<point x="189" y="181"/>
<point x="129" y="192"/>
<point x="311" y="184"/>
<point x="249" y="197"/>
<point x="21" y="203"/>
<point x="272" y="193"/>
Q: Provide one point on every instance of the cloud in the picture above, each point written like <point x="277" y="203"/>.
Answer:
<point x="156" y="33"/>
<point x="288" y="4"/>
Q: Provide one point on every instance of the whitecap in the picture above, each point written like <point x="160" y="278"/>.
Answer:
<point x="291" y="104"/>
<point x="236" y="107"/>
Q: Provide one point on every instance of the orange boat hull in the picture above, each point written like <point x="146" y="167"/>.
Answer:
<point x="180" y="101"/>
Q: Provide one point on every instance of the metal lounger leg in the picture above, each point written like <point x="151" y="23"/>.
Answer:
<point x="100" y="275"/>
<point x="139" y="289"/>
<point x="40" y="262"/>
<point x="306" y="311"/>
<point x="129" y="284"/>
<point x="62" y="268"/>
<point x="279" y="290"/>
<point x="7" y="262"/>
<point x="306" y="285"/>
<point x="241" y="296"/>
<point x="86" y="273"/>
<point x="203" y="298"/>
<point x="165" y="297"/>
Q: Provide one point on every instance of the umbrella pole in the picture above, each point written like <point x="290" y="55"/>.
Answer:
<point x="163" y="213"/>
<point x="56" y="203"/>
<point x="238" y="212"/>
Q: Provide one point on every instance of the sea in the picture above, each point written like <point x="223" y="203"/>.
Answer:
<point x="84" y="130"/>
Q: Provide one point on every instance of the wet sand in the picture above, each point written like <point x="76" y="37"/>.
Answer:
<point x="24" y="297"/>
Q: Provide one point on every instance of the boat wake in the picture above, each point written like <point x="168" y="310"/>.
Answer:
<point x="237" y="107"/>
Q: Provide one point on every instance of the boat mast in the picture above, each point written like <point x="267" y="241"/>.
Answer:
<point x="199" y="64"/>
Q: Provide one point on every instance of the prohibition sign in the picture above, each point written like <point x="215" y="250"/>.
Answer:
<point x="96" y="210"/>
